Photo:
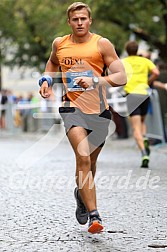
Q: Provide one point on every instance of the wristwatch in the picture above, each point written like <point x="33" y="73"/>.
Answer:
<point x="95" y="80"/>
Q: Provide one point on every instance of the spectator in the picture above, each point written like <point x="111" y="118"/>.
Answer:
<point x="161" y="85"/>
<point x="3" y="102"/>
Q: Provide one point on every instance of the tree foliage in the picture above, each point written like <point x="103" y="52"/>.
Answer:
<point x="147" y="19"/>
<point x="27" y="28"/>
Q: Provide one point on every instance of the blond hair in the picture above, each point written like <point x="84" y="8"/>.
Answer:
<point x="78" y="6"/>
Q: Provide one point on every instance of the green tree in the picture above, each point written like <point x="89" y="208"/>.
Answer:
<point x="30" y="30"/>
<point x="27" y="28"/>
<point x="147" y="19"/>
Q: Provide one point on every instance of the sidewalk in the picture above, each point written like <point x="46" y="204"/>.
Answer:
<point x="38" y="208"/>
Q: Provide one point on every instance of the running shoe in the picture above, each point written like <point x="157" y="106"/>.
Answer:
<point x="81" y="211"/>
<point x="95" y="223"/>
<point x="145" y="162"/>
<point x="147" y="146"/>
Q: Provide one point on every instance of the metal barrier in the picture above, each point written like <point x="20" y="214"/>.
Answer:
<point x="32" y="117"/>
<point x="155" y="127"/>
<point x="154" y="122"/>
<point x="47" y="116"/>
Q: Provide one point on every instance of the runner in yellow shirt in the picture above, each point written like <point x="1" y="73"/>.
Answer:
<point x="141" y="73"/>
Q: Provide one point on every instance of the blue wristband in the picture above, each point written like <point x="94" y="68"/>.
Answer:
<point x="45" y="78"/>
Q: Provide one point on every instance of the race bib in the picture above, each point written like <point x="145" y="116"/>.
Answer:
<point x="72" y="86"/>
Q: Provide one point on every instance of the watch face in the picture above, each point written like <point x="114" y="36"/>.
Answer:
<point x="96" y="80"/>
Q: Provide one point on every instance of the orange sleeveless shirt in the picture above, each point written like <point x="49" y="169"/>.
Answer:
<point x="82" y="59"/>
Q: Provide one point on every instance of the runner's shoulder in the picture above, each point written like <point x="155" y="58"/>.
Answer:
<point x="56" y="41"/>
<point x="105" y="44"/>
<point x="103" y="41"/>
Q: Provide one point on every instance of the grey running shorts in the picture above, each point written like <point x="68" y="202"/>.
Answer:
<point x="142" y="108"/>
<point x="95" y="124"/>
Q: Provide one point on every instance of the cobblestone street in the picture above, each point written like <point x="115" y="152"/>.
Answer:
<point x="38" y="207"/>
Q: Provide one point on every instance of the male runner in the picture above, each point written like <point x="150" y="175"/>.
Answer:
<point x="82" y="56"/>
<point x="144" y="72"/>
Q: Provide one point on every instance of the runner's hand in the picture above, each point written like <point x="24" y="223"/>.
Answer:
<point x="84" y="82"/>
<point x="45" y="91"/>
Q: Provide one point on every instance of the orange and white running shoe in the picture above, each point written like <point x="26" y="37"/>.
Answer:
<point x="95" y="223"/>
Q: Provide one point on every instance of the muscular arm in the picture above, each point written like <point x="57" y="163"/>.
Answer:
<point x="117" y="76"/>
<point x="154" y="75"/>
<point x="159" y="84"/>
<point x="52" y="67"/>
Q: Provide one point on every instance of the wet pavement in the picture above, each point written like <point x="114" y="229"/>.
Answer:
<point x="38" y="208"/>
